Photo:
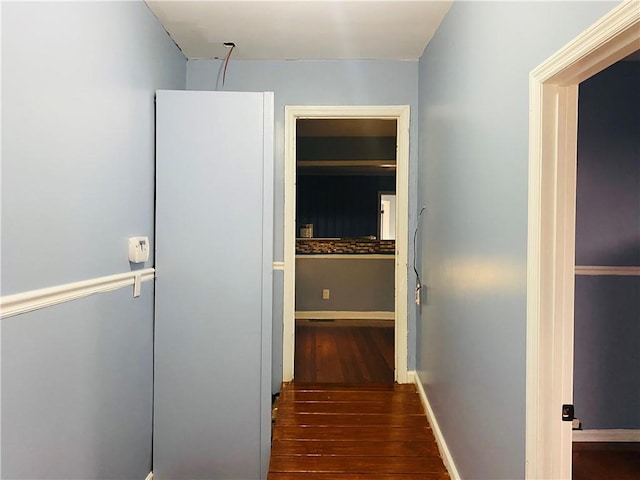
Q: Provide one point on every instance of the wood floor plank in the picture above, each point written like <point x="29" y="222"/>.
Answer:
<point x="305" y="353"/>
<point x="598" y="460"/>
<point x="300" y="386"/>
<point x="354" y="448"/>
<point x="360" y="464"/>
<point x="352" y="419"/>
<point x="382" y="338"/>
<point x="371" y="345"/>
<point x="355" y="354"/>
<point x="355" y="476"/>
<point x="353" y="363"/>
<point x="396" y="408"/>
<point x="363" y="434"/>
<point x="373" y="396"/>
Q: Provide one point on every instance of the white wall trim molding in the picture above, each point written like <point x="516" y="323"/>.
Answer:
<point x="440" y="440"/>
<point x="19" y="303"/>
<point x="401" y="113"/>
<point x="150" y="476"/>
<point x="606" y="270"/>
<point x="343" y="315"/>
<point x="278" y="266"/>
<point x="553" y="102"/>
<point x="607" y="435"/>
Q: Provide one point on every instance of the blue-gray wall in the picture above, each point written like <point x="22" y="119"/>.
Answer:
<point x="317" y="83"/>
<point x="607" y="309"/>
<point x="473" y="236"/>
<point x="78" y="82"/>
<point x="356" y="284"/>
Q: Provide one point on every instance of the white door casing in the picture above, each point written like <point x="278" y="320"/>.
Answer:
<point x="553" y="102"/>
<point x="401" y="115"/>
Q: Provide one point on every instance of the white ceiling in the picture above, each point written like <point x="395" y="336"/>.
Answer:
<point x="303" y="29"/>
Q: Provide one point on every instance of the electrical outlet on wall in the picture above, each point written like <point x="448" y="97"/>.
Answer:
<point x="326" y="294"/>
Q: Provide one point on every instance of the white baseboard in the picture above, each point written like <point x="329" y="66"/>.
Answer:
<point x="150" y="476"/>
<point x="344" y="315"/>
<point x="440" y="440"/>
<point x="608" y="435"/>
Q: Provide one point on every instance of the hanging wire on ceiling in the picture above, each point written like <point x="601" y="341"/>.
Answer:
<point x="230" y="46"/>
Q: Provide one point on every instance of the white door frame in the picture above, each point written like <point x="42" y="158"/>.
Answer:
<point x="401" y="115"/>
<point x="553" y="101"/>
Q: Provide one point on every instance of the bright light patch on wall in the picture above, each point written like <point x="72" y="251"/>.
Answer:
<point x="483" y="275"/>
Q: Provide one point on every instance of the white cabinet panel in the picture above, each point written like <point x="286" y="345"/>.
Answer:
<point x="214" y="244"/>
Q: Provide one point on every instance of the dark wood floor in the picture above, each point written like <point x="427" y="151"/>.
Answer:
<point x="599" y="461"/>
<point x="344" y="354"/>
<point x="352" y="432"/>
<point x="337" y="428"/>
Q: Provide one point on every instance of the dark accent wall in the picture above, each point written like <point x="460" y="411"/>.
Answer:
<point x="608" y="195"/>
<point x="346" y="148"/>
<point x="607" y="308"/>
<point x="340" y="206"/>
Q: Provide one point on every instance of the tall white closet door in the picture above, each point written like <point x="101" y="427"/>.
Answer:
<point x="214" y="244"/>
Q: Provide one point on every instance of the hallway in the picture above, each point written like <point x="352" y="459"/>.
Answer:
<point x="349" y="432"/>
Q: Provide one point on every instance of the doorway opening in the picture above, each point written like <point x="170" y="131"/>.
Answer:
<point x="303" y="227"/>
<point x="344" y="288"/>
<point x="606" y="440"/>
<point x="551" y="238"/>
<point x="387" y="218"/>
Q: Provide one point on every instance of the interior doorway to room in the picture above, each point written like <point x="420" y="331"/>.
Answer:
<point x="345" y="271"/>
<point x="309" y="301"/>
<point x="606" y="441"/>
<point x="387" y="218"/>
<point x="551" y="267"/>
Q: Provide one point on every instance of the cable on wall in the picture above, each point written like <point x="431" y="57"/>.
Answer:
<point x="230" y="46"/>
<point x="415" y="266"/>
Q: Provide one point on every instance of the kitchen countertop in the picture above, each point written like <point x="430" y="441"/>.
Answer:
<point x="338" y="246"/>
